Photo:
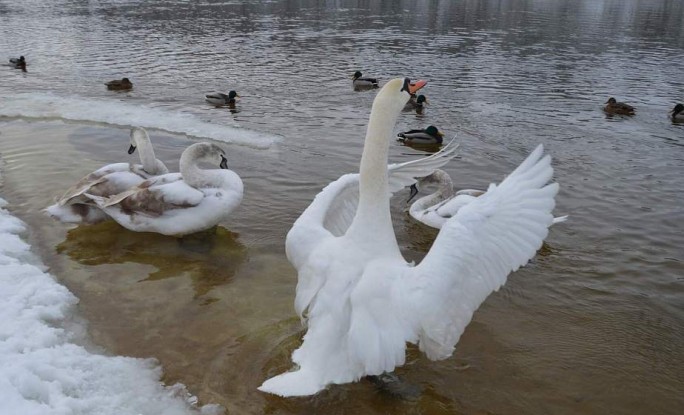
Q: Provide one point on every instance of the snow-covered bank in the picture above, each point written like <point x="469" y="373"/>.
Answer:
<point x="44" y="369"/>
<point x="43" y="105"/>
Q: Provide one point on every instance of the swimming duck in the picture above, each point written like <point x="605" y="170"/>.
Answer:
<point x="363" y="83"/>
<point x="119" y="85"/>
<point x="18" y="63"/>
<point x="362" y="301"/>
<point x="219" y="99"/>
<point x="182" y="203"/>
<point x="614" y="107"/>
<point x="677" y="113"/>
<point x="75" y="207"/>
<point x="436" y="209"/>
<point x="430" y="135"/>
<point x="416" y="103"/>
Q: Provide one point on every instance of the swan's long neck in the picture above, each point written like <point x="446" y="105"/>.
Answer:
<point x="192" y="174"/>
<point x="147" y="157"/>
<point x="444" y="191"/>
<point x="373" y="213"/>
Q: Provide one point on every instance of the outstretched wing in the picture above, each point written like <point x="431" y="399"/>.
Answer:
<point x="475" y="251"/>
<point x="333" y="209"/>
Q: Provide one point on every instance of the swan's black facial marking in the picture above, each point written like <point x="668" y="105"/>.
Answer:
<point x="407" y="82"/>
<point x="224" y="162"/>
<point x="131" y="149"/>
<point x="414" y="192"/>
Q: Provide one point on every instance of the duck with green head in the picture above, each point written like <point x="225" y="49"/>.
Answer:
<point x="416" y="103"/>
<point x="430" y="135"/>
<point x="677" y="113"/>
<point x="358" y="82"/>
<point x="218" y="98"/>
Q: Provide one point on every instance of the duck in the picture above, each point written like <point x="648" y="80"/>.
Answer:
<point x="436" y="209"/>
<point x="178" y="204"/>
<point x="430" y="135"/>
<point x="363" y="83"/>
<point x="119" y="84"/>
<point x="219" y="98"/>
<point x="677" y="113"/>
<point x="75" y="207"/>
<point x="620" y="108"/>
<point x="416" y="103"/>
<point x="361" y="301"/>
<point x="18" y="63"/>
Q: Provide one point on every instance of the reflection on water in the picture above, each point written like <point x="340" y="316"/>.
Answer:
<point x="210" y="258"/>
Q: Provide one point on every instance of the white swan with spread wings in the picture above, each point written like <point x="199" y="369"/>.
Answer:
<point x="362" y="301"/>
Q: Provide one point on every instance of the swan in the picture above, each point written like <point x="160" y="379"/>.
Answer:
<point x="75" y="207"/>
<point x="430" y="135"/>
<point x="362" y="301"/>
<point x="218" y="98"/>
<point x="435" y="209"/>
<point x="363" y="83"/>
<point x="614" y="107"/>
<point x="179" y="203"/>
<point x="677" y="113"/>
<point x="119" y="85"/>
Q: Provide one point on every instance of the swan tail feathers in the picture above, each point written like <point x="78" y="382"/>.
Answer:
<point x="299" y="383"/>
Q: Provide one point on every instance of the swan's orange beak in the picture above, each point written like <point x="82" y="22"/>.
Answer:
<point x="416" y="85"/>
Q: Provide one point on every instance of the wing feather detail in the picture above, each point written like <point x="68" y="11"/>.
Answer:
<point x="475" y="251"/>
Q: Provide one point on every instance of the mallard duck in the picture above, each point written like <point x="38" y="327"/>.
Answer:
<point x="219" y="98"/>
<point x="436" y="209"/>
<point x="614" y="107"/>
<point x="677" y="113"/>
<point x="362" y="302"/>
<point x="18" y="63"/>
<point x="182" y="203"/>
<point x="363" y="83"/>
<point x="119" y="85"/>
<point x="74" y="207"/>
<point x="430" y="135"/>
<point x="416" y="103"/>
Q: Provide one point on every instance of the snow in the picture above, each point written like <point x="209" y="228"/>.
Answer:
<point x="112" y="112"/>
<point x="44" y="367"/>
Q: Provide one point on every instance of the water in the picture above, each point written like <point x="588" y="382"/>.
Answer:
<point x="593" y="325"/>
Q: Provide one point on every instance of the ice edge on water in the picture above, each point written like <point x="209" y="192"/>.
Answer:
<point x="43" y="369"/>
<point x="81" y="109"/>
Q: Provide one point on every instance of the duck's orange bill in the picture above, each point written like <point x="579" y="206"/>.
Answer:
<point x="416" y="85"/>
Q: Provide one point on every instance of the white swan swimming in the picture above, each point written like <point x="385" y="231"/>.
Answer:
<point x="179" y="203"/>
<point x="75" y="207"/>
<point x="435" y="209"/>
<point x="362" y="301"/>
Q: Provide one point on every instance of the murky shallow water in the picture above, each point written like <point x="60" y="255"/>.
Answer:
<point x="593" y="325"/>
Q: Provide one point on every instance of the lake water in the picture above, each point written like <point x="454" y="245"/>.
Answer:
<point x="593" y="325"/>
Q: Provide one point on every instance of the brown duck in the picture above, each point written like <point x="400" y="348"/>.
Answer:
<point x="119" y="85"/>
<point x="614" y="107"/>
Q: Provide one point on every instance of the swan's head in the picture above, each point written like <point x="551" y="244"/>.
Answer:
<point x="438" y="177"/>
<point x="611" y="101"/>
<point x="396" y="93"/>
<point x="208" y="152"/>
<point x="138" y="137"/>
